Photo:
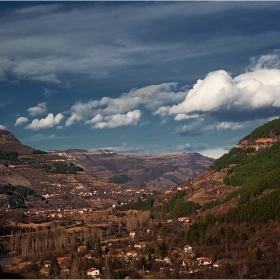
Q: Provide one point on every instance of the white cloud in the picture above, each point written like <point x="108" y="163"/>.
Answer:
<point x="199" y="127"/>
<point x="192" y="147"/>
<point x="151" y="97"/>
<point x="3" y="127"/>
<point x="81" y="111"/>
<point x="213" y="153"/>
<point x="49" y="121"/>
<point x="229" y="125"/>
<point x="267" y="61"/>
<point x="56" y="45"/>
<point x="220" y="92"/>
<point x="39" y="9"/>
<point x="124" y="149"/>
<point x="162" y="111"/>
<point x="40" y="109"/>
<point x="130" y="118"/>
<point x="180" y="117"/>
<point x="21" y="120"/>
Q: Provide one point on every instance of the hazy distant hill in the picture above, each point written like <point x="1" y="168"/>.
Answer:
<point x="153" y="171"/>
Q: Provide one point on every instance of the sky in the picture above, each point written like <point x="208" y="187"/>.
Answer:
<point x="138" y="77"/>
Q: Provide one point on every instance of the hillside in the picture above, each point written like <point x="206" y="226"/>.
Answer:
<point x="234" y="209"/>
<point x="150" y="171"/>
<point x="228" y="216"/>
<point x="251" y="159"/>
<point x="8" y="142"/>
<point x="75" y="179"/>
<point x="243" y="185"/>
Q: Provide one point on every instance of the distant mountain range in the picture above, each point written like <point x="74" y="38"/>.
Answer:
<point x="96" y="178"/>
<point x="151" y="171"/>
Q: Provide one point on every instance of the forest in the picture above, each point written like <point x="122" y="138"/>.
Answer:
<point x="18" y="195"/>
<point x="269" y="129"/>
<point x="10" y="156"/>
<point x="119" y="179"/>
<point x="64" y="168"/>
<point x="176" y="207"/>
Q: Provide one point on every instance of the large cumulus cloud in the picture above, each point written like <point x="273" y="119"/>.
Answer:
<point x="222" y="96"/>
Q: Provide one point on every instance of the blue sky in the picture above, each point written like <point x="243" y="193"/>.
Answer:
<point x="138" y="77"/>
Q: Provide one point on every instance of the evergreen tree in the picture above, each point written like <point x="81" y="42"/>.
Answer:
<point x="54" y="270"/>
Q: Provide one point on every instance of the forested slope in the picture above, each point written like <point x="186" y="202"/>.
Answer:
<point x="258" y="175"/>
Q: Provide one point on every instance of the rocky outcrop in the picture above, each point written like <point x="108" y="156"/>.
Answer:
<point x="258" y="144"/>
<point x="8" y="142"/>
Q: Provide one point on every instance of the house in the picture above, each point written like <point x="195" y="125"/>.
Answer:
<point x="166" y="260"/>
<point x="188" y="249"/>
<point x="132" y="234"/>
<point x="187" y="262"/>
<point x="61" y="261"/>
<point x="88" y="256"/>
<point x="140" y="245"/>
<point x="204" y="261"/>
<point x="184" y="219"/>
<point x="82" y="248"/>
<point x="93" y="273"/>
<point x="131" y="253"/>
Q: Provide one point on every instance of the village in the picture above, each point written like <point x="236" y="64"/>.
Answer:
<point x="136" y="253"/>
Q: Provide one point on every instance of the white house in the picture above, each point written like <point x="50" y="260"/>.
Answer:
<point x="204" y="261"/>
<point x="140" y="245"/>
<point x="132" y="234"/>
<point x="188" y="249"/>
<point x="131" y="253"/>
<point x="184" y="219"/>
<point x="93" y="273"/>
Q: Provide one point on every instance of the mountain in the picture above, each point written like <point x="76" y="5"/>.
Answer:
<point x="253" y="157"/>
<point x="234" y="209"/>
<point x="76" y="178"/>
<point x="150" y="171"/>
<point x="242" y="185"/>
<point x="227" y="216"/>
<point x="8" y="142"/>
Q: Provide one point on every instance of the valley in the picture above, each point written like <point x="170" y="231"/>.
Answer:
<point x="98" y="214"/>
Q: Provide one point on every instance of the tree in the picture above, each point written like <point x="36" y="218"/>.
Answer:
<point x="259" y="254"/>
<point x="97" y="246"/>
<point x="54" y="270"/>
<point x="163" y="249"/>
